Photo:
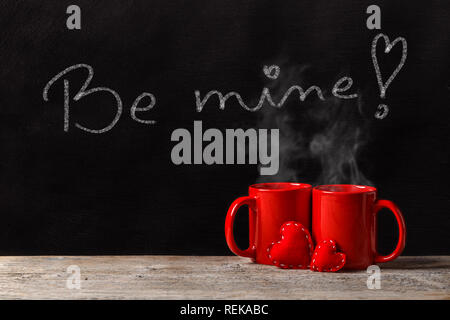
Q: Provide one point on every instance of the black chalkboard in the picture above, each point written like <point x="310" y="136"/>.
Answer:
<point x="64" y="190"/>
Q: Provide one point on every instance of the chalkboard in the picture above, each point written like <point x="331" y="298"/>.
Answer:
<point x="91" y="110"/>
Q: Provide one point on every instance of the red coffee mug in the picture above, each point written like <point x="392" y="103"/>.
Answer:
<point x="348" y="215"/>
<point x="270" y="205"/>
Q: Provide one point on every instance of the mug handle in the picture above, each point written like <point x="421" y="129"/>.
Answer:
<point x="380" y="204"/>
<point x="229" y="223"/>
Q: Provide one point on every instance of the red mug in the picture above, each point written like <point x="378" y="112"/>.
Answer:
<point x="347" y="214"/>
<point x="270" y="205"/>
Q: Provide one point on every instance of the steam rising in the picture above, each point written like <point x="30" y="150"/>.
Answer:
<point x="320" y="140"/>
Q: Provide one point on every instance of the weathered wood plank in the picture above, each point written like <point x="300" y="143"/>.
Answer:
<point x="213" y="277"/>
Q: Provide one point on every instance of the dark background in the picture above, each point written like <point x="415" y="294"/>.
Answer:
<point x="119" y="193"/>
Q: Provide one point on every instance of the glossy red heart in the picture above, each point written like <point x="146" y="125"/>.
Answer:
<point x="326" y="258"/>
<point x="294" y="249"/>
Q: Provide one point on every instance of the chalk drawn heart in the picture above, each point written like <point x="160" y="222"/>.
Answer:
<point x="389" y="45"/>
<point x="271" y="72"/>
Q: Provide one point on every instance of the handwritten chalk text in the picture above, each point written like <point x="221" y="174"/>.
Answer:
<point x="341" y="90"/>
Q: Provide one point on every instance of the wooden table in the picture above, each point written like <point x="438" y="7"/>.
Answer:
<point x="213" y="277"/>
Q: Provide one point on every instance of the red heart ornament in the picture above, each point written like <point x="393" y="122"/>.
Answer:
<point x="294" y="249"/>
<point x="326" y="258"/>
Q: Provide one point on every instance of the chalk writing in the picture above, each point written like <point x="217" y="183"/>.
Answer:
<point x="388" y="47"/>
<point x="273" y="72"/>
<point x="84" y="91"/>
<point x="382" y="111"/>
<point x="135" y="108"/>
<point x="337" y="88"/>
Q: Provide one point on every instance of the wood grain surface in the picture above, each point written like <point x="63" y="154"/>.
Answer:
<point x="213" y="277"/>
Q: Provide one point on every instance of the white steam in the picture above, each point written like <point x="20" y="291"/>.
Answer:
<point x="320" y="140"/>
